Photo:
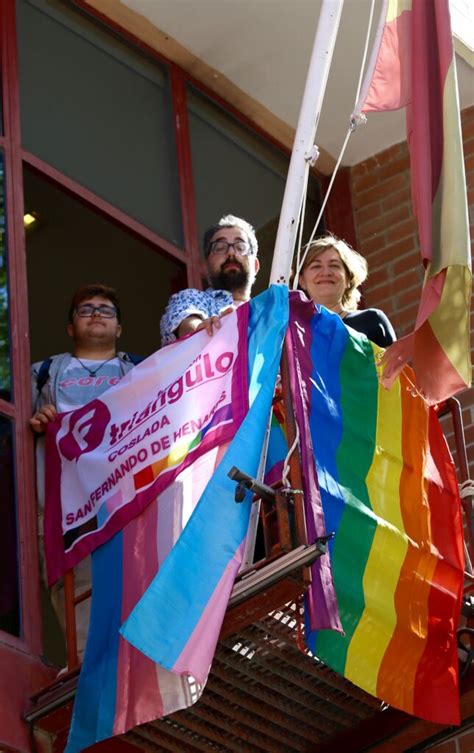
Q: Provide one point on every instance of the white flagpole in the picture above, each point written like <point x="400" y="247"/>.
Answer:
<point x="304" y="150"/>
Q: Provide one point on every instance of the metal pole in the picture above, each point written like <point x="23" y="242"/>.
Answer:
<point x="303" y="153"/>
<point x="303" y="149"/>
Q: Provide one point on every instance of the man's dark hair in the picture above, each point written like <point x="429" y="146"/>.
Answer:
<point x="90" y="291"/>
<point x="230" y="221"/>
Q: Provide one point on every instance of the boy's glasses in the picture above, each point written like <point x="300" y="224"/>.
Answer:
<point x="87" y="310"/>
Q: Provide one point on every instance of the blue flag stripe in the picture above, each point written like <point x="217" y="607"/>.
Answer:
<point x="94" y="707"/>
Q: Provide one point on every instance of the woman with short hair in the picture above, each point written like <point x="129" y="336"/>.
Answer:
<point x="331" y="275"/>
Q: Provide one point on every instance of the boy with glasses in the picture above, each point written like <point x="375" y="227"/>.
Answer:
<point x="68" y="381"/>
<point x="73" y="379"/>
<point x="230" y="266"/>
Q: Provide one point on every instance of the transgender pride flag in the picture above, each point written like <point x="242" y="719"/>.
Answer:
<point x="119" y="687"/>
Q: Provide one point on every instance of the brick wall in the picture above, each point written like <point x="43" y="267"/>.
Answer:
<point x="386" y="234"/>
<point x="463" y="742"/>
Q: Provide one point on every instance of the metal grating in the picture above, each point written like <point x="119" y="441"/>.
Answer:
<point x="264" y="695"/>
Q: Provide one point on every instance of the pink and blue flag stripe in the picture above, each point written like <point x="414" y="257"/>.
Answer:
<point x="119" y="687"/>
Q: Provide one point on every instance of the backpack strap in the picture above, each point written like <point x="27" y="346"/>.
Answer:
<point x="43" y="374"/>
<point x="134" y="358"/>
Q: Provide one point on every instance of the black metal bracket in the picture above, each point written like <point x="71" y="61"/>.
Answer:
<point x="321" y="542"/>
<point x="246" y="483"/>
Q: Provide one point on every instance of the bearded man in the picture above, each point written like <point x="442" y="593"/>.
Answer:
<point x="230" y="266"/>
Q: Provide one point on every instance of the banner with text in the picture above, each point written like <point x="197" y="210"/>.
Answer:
<point x="110" y="458"/>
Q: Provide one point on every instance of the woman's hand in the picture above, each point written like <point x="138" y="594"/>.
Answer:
<point x="395" y="358"/>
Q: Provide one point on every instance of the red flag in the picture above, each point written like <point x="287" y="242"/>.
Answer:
<point x="414" y="67"/>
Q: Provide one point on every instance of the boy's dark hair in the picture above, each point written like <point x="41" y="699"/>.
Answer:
<point x="229" y="220"/>
<point x="90" y="291"/>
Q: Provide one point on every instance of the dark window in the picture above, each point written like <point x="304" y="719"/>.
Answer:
<point x="5" y="372"/>
<point x="100" y="113"/>
<point x="70" y="246"/>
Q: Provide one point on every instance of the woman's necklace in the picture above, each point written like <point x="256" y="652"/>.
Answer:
<point x="94" y="372"/>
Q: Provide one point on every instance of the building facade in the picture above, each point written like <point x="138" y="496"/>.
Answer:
<point x="113" y="161"/>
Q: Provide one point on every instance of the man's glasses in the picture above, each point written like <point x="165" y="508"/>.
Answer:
<point x="87" y="310"/>
<point x="219" y="248"/>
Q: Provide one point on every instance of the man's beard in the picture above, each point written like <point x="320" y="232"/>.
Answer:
<point x="230" y="280"/>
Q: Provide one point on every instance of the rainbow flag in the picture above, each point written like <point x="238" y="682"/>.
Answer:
<point x="389" y="493"/>
<point x="413" y="66"/>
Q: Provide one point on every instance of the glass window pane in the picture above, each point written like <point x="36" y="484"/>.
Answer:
<point x="9" y="601"/>
<point x="235" y="171"/>
<point x="99" y="112"/>
<point x="69" y="246"/>
<point x="5" y="374"/>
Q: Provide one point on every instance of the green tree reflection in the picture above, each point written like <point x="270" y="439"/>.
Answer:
<point x="4" y="324"/>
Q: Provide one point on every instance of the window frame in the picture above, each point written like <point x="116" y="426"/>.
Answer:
<point x="19" y="410"/>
